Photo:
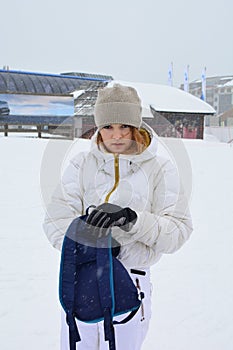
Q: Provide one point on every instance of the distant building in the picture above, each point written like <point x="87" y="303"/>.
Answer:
<point x="219" y="92"/>
<point x="226" y="118"/>
<point x="21" y="82"/>
<point x="44" y="99"/>
<point x="170" y="111"/>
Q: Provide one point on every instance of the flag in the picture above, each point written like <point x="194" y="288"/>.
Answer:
<point x="186" y="79"/>
<point x="203" y="84"/>
<point x="170" y="75"/>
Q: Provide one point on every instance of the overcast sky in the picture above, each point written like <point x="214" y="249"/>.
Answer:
<point x="129" y="39"/>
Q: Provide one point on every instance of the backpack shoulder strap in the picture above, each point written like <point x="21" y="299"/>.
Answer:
<point x="106" y="286"/>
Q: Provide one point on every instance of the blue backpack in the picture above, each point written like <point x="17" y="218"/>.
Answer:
<point x="94" y="285"/>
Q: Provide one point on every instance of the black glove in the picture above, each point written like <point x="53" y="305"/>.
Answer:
<point x="107" y="215"/>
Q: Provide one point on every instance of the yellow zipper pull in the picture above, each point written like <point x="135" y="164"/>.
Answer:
<point x="117" y="176"/>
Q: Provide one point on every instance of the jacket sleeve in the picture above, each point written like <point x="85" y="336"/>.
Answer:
<point x="168" y="225"/>
<point x="65" y="205"/>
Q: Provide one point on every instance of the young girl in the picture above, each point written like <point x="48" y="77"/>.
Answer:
<point x="132" y="190"/>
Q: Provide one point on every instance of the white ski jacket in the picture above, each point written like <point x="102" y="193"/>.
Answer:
<point x="147" y="183"/>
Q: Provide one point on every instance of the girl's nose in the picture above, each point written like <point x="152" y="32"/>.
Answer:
<point x="117" y="134"/>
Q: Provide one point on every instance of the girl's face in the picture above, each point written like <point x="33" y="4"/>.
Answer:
<point x="117" y="138"/>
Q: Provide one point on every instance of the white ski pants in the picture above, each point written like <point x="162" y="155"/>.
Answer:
<point x="128" y="336"/>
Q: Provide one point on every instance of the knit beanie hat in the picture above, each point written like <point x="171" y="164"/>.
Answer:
<point x="118" y="105"/>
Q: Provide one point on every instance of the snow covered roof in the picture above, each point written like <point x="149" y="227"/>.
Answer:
<point x="77" y="93"/>
<point x="165" y="98"/>
<point x="229" y="83"/>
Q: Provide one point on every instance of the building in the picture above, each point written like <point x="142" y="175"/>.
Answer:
<point x="219" y="92"/>
<point x="63" y="104"/>
<point x="171" y="112"/>
<point x="226" y="118"/>
<point x="40" y="102"/>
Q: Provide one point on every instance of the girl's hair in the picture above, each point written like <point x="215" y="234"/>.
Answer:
<point x="140" y="136"/>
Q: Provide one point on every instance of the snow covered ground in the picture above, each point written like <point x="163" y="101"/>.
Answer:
<point x="192" y="295"/>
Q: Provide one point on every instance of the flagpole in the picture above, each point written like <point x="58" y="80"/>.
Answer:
<point x="170" y="74"/>
<point x="203" y="84"/>
<point x="186" y="79"/>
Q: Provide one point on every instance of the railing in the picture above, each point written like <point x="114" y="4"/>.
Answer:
<point x="42" y="125"/>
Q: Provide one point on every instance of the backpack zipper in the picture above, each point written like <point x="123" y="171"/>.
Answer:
<point x="117" y="177"/>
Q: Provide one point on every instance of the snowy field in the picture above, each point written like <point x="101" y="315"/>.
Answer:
<point x="192" y="294"/>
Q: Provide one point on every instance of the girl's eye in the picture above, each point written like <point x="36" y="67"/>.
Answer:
<point x="107" y="127"/>
<point x="125" y="126"/>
